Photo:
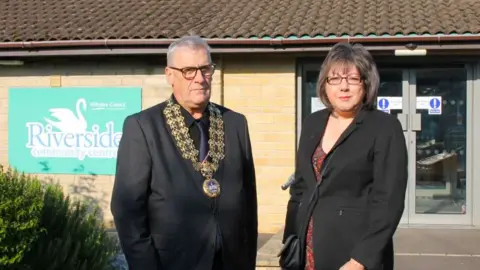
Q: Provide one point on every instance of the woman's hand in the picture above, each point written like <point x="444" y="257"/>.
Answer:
<point x="352" y="265"/>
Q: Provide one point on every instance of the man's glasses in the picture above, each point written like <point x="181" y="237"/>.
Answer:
<point x="352" y="80"/>
<point x="190" y="72"/>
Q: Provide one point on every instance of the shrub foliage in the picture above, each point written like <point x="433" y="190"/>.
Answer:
<point x="41" y="228"/>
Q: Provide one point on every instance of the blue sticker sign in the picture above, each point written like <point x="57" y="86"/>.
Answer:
<point x="383" y="104"/>
<point x="68" y="130"/>
<point x="435" y="105"/>
<point x="386" y="104"/>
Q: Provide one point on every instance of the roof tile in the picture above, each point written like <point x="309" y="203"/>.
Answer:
<point x="29" y="20"/>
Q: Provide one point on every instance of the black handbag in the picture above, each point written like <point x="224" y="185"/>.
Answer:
<point x="291" y="257"/>
<point x="292" y="254"/>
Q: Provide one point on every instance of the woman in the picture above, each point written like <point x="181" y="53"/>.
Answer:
<point x="362" y="153"/>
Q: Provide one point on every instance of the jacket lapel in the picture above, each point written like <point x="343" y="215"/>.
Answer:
<point x="312" y="141"/>
<point x="316" y="135"/>
<point x="356" y="123"/>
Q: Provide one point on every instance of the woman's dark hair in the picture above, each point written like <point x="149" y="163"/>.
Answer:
<point x="345" y="55"/>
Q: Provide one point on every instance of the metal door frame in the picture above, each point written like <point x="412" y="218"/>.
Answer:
<point x="403" y="117"/>
<point x="410" y="109"/>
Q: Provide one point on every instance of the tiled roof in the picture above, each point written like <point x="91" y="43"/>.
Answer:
<point x="35" y="20"/>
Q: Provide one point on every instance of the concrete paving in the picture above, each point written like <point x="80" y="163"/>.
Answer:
<point x="415" y="249"/>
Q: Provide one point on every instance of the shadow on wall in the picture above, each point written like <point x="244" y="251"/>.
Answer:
<point x="83" y="188"/>
<point x="87" y="66"/>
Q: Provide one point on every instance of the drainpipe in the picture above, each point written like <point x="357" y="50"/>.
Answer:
<point x="157" y="46"/>
<point x="272" y="42"/>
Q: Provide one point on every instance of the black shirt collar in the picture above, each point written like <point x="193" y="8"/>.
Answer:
<point x="189" y="120"/>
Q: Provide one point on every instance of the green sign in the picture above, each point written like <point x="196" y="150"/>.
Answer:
<point x="68" y="130"/>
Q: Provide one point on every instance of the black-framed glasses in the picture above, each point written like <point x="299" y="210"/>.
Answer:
<point x="190" y="72"/>
<point x="351" y="80"/>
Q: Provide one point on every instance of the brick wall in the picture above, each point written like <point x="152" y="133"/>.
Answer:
<point x="263" y="88"/>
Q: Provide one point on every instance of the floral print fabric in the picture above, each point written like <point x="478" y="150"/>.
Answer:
<point x="317" y="161"/>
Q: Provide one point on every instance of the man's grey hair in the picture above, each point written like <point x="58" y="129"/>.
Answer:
<point x="191" y="42"/>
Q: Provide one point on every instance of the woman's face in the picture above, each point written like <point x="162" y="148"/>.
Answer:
<point x="344" y="88"/>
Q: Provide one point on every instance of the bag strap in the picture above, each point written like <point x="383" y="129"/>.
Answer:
<point x="313" y="196"/>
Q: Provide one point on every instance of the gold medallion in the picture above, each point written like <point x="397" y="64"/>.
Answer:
<point x="211" y="188"/>
<point x="184" y="142"/>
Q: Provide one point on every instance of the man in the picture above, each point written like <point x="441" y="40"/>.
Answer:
<point x="184" y="196"/>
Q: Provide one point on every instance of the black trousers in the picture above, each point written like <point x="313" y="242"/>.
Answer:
<point x="218" y="261"/>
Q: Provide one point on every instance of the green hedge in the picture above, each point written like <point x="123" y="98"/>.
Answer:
<point x="21" y="207"/>
<point x="41" y="228"/>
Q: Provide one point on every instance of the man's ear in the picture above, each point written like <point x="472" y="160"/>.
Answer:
<point x="169" y="75"/>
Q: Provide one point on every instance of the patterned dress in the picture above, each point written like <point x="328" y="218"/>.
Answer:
<point x="317" y="161"/>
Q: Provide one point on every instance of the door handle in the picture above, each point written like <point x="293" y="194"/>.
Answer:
<point x="403" y="118"/>
<point x="416" y="122"/>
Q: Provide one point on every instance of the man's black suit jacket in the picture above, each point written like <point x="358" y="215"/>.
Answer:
<point x="362" y="194"/>
<point x="163" y="219"/>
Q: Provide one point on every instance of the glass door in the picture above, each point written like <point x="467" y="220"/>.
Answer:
<point x="432" y="106"/>
<point x="393" y="98"/>
<point x="438" y="137"/>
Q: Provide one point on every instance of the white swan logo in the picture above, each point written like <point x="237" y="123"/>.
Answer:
<point x="69" y="122"/>
<point x="66" y="135"/>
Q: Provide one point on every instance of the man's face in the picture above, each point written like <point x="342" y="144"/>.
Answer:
<point x="191" y="77"/>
